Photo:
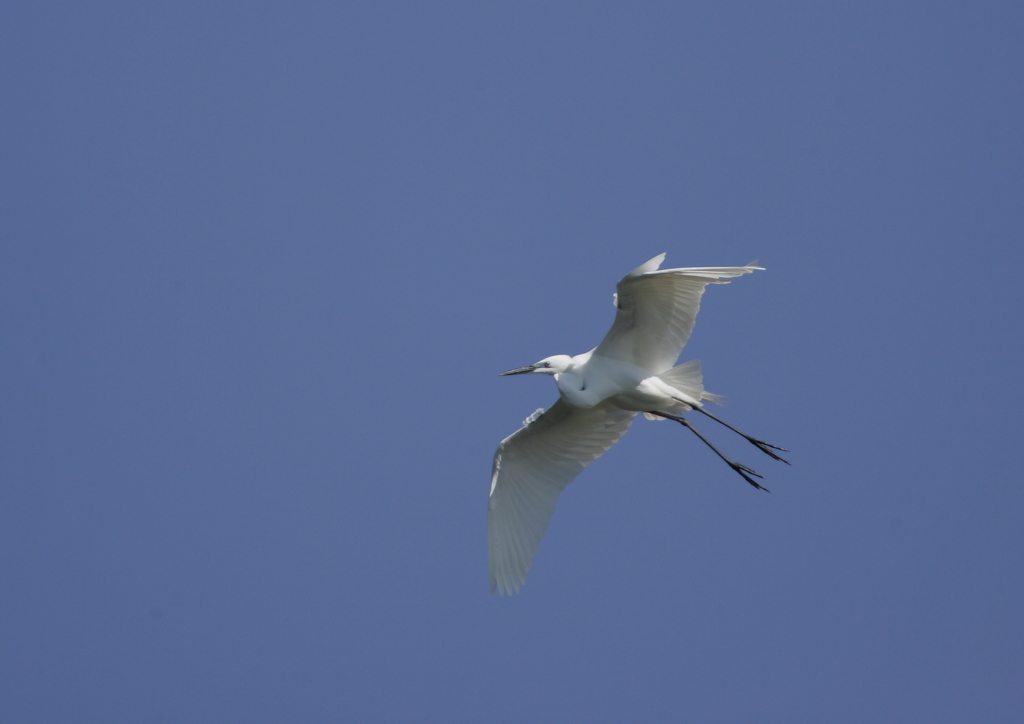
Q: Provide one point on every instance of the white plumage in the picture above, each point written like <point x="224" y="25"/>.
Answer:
<point x="600" y="393"/>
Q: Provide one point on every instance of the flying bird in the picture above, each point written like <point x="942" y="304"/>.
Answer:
<point x="600" y="392"/>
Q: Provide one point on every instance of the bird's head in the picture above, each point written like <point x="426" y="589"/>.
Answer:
<point x="548" y="366"/>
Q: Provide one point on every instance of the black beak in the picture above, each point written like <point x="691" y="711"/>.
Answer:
<point x="518" y="371"/>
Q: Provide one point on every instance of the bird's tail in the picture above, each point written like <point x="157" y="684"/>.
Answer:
<point x="688" y="379"/>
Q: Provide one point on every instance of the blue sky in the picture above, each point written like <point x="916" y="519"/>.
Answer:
<point x="261" y="265"/>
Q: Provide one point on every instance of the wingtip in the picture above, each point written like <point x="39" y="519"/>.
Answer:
<point x="648" y="266"/>
<point x="504" y="589"/>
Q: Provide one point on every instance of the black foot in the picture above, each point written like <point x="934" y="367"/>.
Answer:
<point x="743" y="470"/>
<point x="761" y="445"/>
<point x="767" y="448"/>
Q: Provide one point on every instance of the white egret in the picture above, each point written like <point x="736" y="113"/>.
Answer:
<point x="600" y="393"/>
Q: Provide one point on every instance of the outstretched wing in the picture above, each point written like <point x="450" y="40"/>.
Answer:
<point x="656" y="312"/>
<point x="531" y="467"/>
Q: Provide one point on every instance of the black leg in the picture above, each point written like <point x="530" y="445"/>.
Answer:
<point x="741" y="469"/>
<point x="761" y="445"/>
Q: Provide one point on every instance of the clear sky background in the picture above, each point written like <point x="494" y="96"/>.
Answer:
<point x="261" y="264"/>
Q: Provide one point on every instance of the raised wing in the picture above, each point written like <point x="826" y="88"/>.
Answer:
<point x="531" y="467"/>
<point x="656" y="312"/>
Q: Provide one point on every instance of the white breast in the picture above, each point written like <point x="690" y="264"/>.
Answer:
<point x="575" y="390"/>
<point x="594" y="379"/>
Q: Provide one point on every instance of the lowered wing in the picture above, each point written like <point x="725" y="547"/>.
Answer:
<point x="531" y="467"/>
<point x="656" y="312"/>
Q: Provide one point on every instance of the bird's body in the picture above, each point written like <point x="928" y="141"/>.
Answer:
<point x="600" y="393"/>
<point x="589" y="379"/>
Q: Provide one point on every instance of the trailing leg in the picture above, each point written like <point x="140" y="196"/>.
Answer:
<point x="743" y="470"/>
<point x="761" y="445"/>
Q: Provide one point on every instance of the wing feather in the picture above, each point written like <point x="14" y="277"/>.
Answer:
<point x="531" y="468"/>
<point x="657" y="311"/>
